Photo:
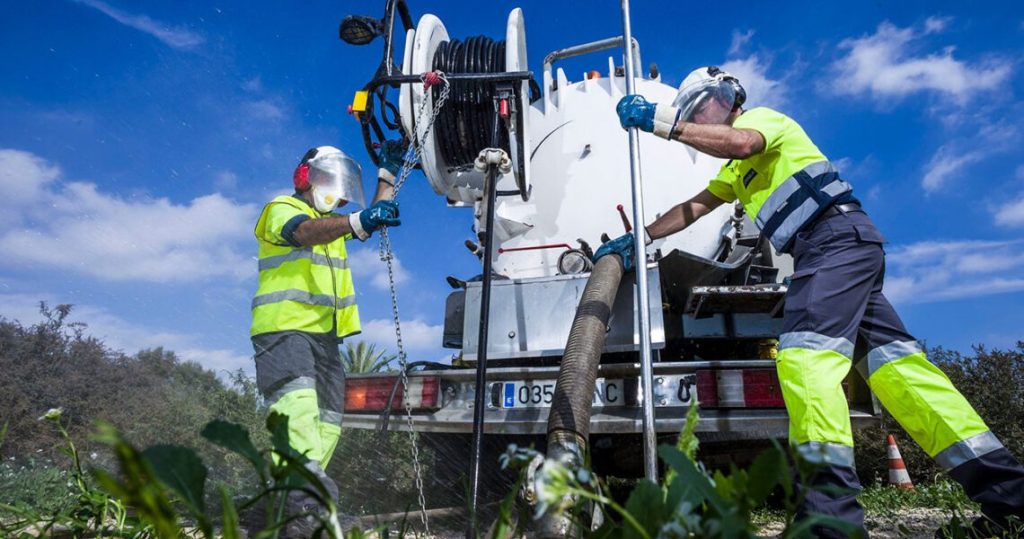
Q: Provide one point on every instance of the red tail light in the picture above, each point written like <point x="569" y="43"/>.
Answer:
<point x="372" y="394"/>
<point x="707" y="389"/>
<point x="739" y="388"/>
<point x="761" y="388"/>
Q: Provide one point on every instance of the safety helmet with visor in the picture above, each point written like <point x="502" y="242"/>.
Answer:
<point x="333" y="178"/>
<point x="708" y="95"/>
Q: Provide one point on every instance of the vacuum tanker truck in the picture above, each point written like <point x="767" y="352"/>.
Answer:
<point x="716" y="290"/>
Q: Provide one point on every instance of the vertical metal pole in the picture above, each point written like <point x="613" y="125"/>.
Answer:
<point x="640" y="245"/>
<point x="481" y="349"/>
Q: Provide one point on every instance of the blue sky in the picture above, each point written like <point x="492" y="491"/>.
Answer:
<point x="140" y="140"/>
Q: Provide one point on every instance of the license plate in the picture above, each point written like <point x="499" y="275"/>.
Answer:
<point x="538" y="393"/>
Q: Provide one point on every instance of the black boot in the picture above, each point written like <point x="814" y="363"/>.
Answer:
<point x="995" y="481"/>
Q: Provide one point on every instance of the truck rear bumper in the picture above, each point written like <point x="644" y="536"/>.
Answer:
<point x="725" y="423"/>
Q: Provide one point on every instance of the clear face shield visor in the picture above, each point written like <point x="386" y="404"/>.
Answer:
<point x="706" y="102"/>
<point x="335" y="179"/>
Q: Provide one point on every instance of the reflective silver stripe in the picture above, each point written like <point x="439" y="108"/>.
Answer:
<point x="777" y="200"/>
<point x="302" y="296"/>
<point x="890" y="352"/>
<point x="969" y="449"/>
<point x="818" y="168"/>
<point x="798" y="217"/>
<point x="827" y="453"/>
<point x="329" y="416"/>
<point x="836" y="188"/>
<point x="816" y="341"/>
<point x="302" y="382"/>
<point x="272" y="262"/>
<point x="793" y="222"/>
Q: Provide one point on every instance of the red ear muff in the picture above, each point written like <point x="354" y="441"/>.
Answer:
<point x="301" y="177"/>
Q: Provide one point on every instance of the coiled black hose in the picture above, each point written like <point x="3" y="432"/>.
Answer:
<point x="464" y="125"/>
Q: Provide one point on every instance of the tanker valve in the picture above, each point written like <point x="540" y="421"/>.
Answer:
<point x="625" y="220"/>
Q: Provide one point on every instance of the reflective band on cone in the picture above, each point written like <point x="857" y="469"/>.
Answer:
<point x="898" y="476"/>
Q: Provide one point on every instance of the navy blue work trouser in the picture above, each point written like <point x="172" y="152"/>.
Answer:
<point x="834" y="305"/>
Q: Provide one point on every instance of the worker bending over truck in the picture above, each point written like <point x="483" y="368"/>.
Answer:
<point x="805" y="208"/>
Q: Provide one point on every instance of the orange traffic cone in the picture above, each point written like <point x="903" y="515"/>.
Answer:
<point x="898" y="476"/>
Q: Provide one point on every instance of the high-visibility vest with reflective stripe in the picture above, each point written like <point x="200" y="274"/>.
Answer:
<point x="784" y="187"/>
<point x="302" y="288"/>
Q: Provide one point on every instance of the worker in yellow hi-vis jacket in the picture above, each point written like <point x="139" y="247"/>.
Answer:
<point x="803" y="207"/>
<point x="306" y="304"/>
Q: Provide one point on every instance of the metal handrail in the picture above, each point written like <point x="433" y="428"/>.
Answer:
<point x="593" y="46"/>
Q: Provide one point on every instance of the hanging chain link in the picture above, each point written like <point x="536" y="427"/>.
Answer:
<point x="412" y="156"/>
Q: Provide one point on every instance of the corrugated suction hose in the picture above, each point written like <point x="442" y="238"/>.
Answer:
<point x="569" y="419"/>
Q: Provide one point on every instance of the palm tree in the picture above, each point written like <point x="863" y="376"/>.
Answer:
<point x="363" y="357"/>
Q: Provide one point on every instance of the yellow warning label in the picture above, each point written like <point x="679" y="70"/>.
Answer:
<point x="359" y="102"/>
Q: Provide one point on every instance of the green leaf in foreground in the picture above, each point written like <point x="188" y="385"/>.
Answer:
<point x="233" y="437"/>
<point x="647" y="504"/>
<point x="182" y="471"/>
<point x="229" y="519"/>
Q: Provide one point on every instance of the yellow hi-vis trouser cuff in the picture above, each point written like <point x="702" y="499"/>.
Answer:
<point x="330" y="433"/>
<point x="811" y="381"/>
<point x="922" y="400"/>
<point x="304" y="425"/>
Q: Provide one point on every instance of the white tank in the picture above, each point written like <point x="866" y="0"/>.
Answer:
<point x="578" y="167"/>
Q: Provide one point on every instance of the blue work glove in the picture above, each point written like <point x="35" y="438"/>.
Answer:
<point x="622" y="246"/>
<point x="391" y="156"/>
<point x="635" y="111"/>
<point x="381" y="213"/>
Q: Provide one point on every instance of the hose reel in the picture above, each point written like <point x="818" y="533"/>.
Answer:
<point x="463" y="126"/>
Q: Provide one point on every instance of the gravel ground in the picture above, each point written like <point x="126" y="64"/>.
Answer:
<point x="920" y="522"/>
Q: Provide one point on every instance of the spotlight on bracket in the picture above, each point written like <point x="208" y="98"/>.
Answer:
<point x="360" y="29"/>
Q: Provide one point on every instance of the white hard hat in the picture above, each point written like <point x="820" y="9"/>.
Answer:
<point x="333" y="177"/>
<point x="707" y="85"/>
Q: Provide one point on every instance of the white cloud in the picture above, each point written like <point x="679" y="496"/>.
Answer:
<point x="936" y="24"/>
<point x="947" y="161"/>
<point x="884" y="65"/>
<point x="1011" y="213"/>
<point x="225" y="180"/>
<point x="739" y="40"/>
<point x="74" y="226"/>
<point x="933" y="271"/>
<point x="761" y="90"/>
<point x="23" y="176"/>
<point x="254" y="85"/>
<point x="843" y="164"/>
<point x="418" y="336"/>
<point x="263" y="109"/>
<point x="367" y="266"/>
<point x="128" y="337"/>
<point x="219" y="360"/>
<point x="954" y="156"/>
<point x="177" y="37"/>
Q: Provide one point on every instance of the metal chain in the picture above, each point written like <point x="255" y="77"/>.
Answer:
<point x="412" y="156"/>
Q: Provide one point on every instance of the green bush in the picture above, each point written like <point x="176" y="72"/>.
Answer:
<point x="165" y="487"/>
<point x="374" y="471"/>
<point x="31" y="483"/>
<point x="151" y="397"/>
